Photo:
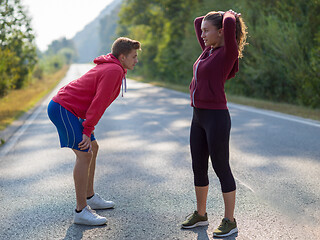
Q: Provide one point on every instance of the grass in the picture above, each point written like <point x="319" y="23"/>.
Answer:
<point x="17" y="102"/>
<point x="291" y="109"/>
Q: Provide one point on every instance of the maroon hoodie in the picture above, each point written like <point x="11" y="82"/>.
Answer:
<point x="88" y="96"/>
<point x="210" y="72"/>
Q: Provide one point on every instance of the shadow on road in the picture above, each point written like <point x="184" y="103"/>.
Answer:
<point x="75" y="232"/>
<point x="203" y="234"/>
<point x="201" y="231"/>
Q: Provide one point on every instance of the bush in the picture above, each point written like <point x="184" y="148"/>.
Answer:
<point x="9" y="71"/>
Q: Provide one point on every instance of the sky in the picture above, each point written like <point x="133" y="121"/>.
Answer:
<point x="53" y="19"/>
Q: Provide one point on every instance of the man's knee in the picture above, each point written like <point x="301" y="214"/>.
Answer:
<point x="95" y="146"/>
<point x="83" y="157"/>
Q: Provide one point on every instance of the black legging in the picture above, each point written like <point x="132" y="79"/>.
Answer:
<point x="209" y="135"/>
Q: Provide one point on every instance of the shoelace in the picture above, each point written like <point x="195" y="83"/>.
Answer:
<point x="92" y="211"/>
<point x="190" y="215"/>
<point x="223" y="224"/>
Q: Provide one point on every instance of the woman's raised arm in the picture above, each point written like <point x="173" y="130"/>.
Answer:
<point x="197" y="27"/>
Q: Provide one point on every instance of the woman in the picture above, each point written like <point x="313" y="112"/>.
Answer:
<point x="222" y="38"/>
<point x="87" y="98"/>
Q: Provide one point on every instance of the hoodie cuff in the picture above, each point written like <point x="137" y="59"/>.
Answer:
<point x="87" y="132"/>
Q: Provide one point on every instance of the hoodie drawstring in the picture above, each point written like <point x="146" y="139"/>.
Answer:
<point x="124" y="82"/>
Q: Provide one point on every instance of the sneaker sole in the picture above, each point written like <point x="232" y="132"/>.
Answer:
<point x="98" y="208"/>
<point x="235" y="230"/>
<point x="90" y="224"/>
<point x="198" y="224"/>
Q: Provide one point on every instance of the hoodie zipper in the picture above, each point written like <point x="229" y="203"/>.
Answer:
<point x="195" y="85"/>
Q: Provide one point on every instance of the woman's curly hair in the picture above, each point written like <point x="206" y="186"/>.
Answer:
<point x="216" y="19"/>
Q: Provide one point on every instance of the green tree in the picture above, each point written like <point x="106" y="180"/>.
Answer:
<point x="161" y="26"/>
<point x="9" y="70"/>
<point x="59" y="53"/>
<point x="16" y="39"/>
<point x="56" y="45"/>
<point x="283" y="42"/>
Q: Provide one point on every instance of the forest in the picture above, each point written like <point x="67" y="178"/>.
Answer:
<point x="281" y="61"/>
<point x="21" y="63"/>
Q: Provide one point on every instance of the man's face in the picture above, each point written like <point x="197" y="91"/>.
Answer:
<point x="129" y="61"/>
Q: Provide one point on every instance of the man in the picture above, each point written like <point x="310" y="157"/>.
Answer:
<point x="75" y="111"/>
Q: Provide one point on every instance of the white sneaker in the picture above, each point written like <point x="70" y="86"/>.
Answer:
<point x="96" y="202"/>
<point x="89" y="217"/>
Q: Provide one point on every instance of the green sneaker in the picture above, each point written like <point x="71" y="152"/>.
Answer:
<point x="226" y="228"/>
<point x="195" y="220"/>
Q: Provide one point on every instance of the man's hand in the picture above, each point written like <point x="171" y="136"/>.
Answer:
<point x="85" y="143"/>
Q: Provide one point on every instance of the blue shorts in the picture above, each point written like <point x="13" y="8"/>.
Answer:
<point x="68" y="125"/>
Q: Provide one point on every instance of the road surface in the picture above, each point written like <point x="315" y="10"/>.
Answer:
<point x="144" y="166"/>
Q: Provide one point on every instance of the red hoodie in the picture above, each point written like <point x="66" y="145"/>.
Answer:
<point x="210" y="72"/>
<point x="89" y="96"/>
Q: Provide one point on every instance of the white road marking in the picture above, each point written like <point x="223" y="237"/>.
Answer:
<point x="244" y="184"/>
<point x="276" y="115"/>
<point x="14" y="139"/>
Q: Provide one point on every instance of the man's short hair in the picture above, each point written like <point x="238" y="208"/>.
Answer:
<point x="124" y="46"/>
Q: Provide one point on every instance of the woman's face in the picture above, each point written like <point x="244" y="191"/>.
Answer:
<point x="211" y="35"/>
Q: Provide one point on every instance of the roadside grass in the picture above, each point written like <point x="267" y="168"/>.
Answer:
<point x="17" y="102"/>
<point x="291" y="109"/>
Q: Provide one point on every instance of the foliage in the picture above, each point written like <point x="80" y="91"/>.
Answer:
<point x="56" y="45"/>
<point x="20" y="62"/>
<point x="161" y="26"/>
<point x="60" y="52"/>
<point x="282" y="45"/>
<point x="17" y="48"/>
<point x="9" y="70"/>
<point x="64" y="48"/>
<point x="281" y="62"/>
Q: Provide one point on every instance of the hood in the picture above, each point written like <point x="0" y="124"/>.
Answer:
<point x="109" y="58"/>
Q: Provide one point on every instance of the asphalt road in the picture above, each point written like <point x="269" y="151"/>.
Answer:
<point x="144" y="166"/>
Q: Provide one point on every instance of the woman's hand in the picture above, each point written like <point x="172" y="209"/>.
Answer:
<point x="85" y="143"/>
<point x="235" y="13"/>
